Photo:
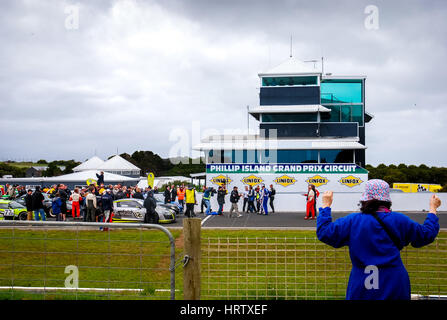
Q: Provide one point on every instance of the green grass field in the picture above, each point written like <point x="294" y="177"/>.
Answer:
<point x="295" y="265"/>
<point x="242" y="264"/>
<point x="136" y="259"/>
<point x="25" y="164"/>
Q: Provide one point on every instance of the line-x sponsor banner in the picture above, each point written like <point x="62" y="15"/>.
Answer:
<point x="292" y="182"/>
<point x="304" y="168"/>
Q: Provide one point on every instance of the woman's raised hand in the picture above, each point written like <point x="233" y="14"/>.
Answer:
<point x="435" y="202"/>
<point x="328" y="197"/>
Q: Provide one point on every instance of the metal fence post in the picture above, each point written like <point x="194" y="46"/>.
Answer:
<point x="191" y="271"/>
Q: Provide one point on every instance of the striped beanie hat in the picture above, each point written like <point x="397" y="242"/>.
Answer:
<point x="376" y="189"/>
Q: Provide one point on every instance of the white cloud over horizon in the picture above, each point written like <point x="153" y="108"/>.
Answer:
<point x="136" y="70"/>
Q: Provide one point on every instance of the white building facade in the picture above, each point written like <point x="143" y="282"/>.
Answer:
<point x="312" y="131"/>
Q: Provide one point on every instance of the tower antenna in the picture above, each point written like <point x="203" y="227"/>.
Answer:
<point x="248" y="120"/>
<point x="290" y="46"/>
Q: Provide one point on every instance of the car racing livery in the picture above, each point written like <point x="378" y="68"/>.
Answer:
<point x="12" y="210"/>
<point x="133" y="210"/>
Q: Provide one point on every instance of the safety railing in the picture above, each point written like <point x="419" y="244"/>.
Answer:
<point x="295" y="268"/>
<point x="75" y="260"/>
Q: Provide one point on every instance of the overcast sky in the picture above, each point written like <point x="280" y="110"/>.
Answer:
<point x="128" y="73"/>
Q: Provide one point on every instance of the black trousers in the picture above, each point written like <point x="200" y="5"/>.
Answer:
<point x="202" y="205"/>
<point x="151" y="217"/>
<point x="271" y="204"/>
<point x="245" y="204"/>
<point x="251" y="206"/>
<point x="189" y="210"/>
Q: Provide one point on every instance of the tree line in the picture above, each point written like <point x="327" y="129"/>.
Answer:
<point x="409" y="174"/>
<point x="148" y="161"/>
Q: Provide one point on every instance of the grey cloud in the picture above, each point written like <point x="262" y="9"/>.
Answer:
<point x="133" y="72"/>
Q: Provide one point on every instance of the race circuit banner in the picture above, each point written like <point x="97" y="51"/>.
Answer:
<point x="286" y="168"/>
<point x="289" y="178"/>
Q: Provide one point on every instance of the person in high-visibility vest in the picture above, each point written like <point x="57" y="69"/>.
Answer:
<point x="258" y="200"/>
<point x="190" y="201"/>
<point x="207" y="194"/>
<point x="181" y="197"/>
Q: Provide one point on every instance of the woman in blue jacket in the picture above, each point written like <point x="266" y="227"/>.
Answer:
<point x="56" y="206"/>
<point x="375" y="237"/>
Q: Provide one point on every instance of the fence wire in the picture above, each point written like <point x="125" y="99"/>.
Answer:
<point x="300" y="268"/>
<point x="71" y="260"/>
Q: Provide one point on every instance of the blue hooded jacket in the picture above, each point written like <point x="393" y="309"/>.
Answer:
<point x="56" y="205"/>
<point x="370" y="245"/>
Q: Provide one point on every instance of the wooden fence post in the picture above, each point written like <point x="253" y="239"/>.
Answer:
<point x="191" y="272"/>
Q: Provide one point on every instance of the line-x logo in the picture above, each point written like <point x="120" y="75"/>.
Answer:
<point x="221" y="180"/>
<point x="350" y="181"/>
<point x="252" y="180"/>
<point x="285" y="180"/>
<point x="317" y="181"/>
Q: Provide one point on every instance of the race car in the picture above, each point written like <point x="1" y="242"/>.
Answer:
<point x="47" y="205"/>
<point x="172" y="205"/>
<point x="132" y="210"/>
<point x="12" y="210"/>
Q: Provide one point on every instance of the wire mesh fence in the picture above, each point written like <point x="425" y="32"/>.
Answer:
<point x="284" y="268"/>
<point x="71" y="260"/>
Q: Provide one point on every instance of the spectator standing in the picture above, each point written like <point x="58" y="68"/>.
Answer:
<point x="375" y="237"/>
<point x="29" y="204"/>
<point x="251" y="200"/>
<point x="234" y="199"/>
<point x="56" y="205"/>
<point x="258" y="200"/>
<point x="245" y="194"/>
<point x="11" y="191"/>
<point x="221" y="193"/>
<point x="181" y="197"/>
<point x="64" y="196"/>
<point x="107" y="205"/>
<point x="150" y="204"/>
<point x="38" y="204"/>
<point x="91" y="205"/>
<point x="100" y="177"/>
<point x="265" y="194"/>
<point x="190" y="201"/>
<point x="311" y="203"/>
<point x="126" y="192"/>
<point x="119" y="194"/>
<point x="75" y="203"/>
<point x="21" y="191"/>
<point x="272" y="197"/>
<point x="167" y="194"/>
<point x="173" y="193"/>
<point x="83" y="206"/>
<point x="202" y="202"/>
<point x="138" y="194"/>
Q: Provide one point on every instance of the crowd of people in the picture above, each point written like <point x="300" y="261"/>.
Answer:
<point x="255" y="199"/>
<point x="91" y="204"/>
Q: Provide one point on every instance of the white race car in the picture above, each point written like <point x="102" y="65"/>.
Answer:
<point x="132" y="210"/>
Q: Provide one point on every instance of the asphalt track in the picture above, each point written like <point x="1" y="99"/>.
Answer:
<point x="282" y="220"/>
<point x="277" y="220"/>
